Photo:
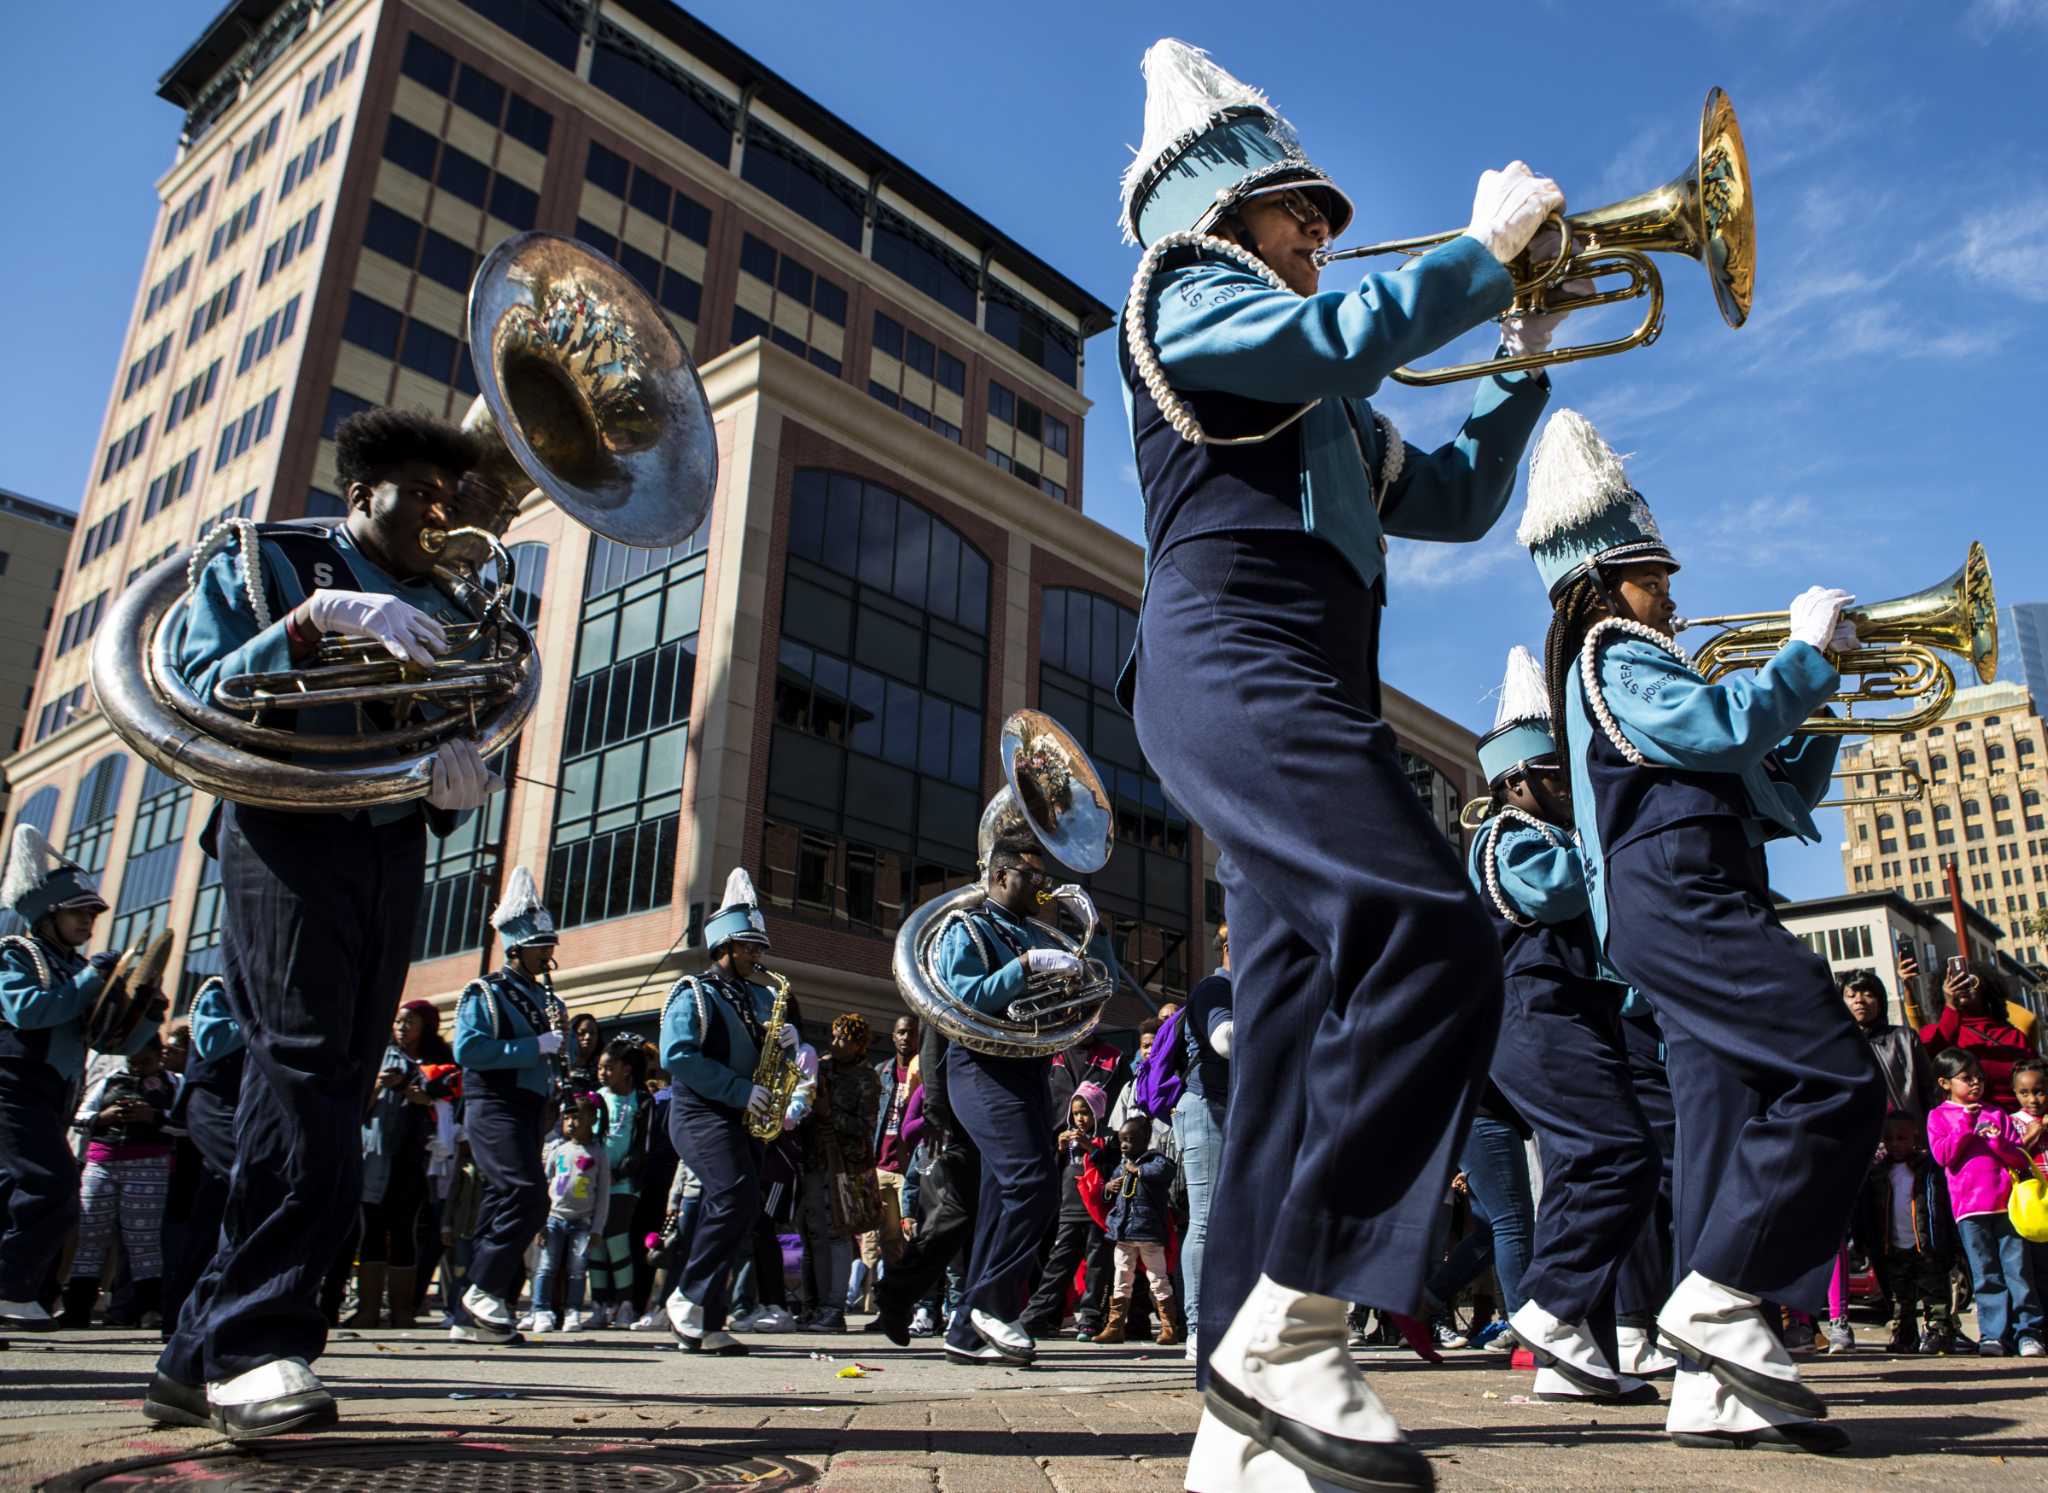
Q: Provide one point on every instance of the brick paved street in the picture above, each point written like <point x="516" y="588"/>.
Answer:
<point x="1089" y="1420"/>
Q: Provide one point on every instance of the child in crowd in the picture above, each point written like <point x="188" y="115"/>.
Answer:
<point x="1910" y="1237"/>
<point x="1140" y="1182"/>
<point x="2030" y="1093"/>
<point x="127" y="1176"/>
<point x="1978" y="1145"/>
<point x="579" y="1186"/>
<point x="1076" y="1236"/>
<point x="628" y="1111"/>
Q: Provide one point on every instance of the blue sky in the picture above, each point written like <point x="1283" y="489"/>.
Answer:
<point x="1868" y="422"/>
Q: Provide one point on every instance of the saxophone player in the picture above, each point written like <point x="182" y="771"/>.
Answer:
<point x="712" y="1033"/>
<point x="987" y="958"/>
<point x="507" y="1035"/>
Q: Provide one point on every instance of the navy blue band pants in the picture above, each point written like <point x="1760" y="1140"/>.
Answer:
<point x="503" y="1123"/>
<point x="318" y="913"/>
<point x="1779" y="1101"/>
<point x="1002" y="1105"/>
<point x="1367" y="979"/>
<point x="1645" y="1278"/>
<point x="713" y="1141"/>
<point x="41" y="1195"/>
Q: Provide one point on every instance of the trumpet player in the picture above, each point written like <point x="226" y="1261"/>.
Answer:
<point x="507" y="1037"/>
<point x="1270" y="486"/>
<point x="1677" y="783"/>
<point x="987" y="958"/>
<point x="46" y="991"/>
<point x="318" y="910"/>
<point x="712" y="1032"/>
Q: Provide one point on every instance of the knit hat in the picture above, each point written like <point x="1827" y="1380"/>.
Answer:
<point x="1582" y="511"/>
<point x="38" y="880"/>
<point x="1521" y="726"/>
<point x="1210" y="143"/>
<point x="739" y="919"/>
<point x="522" y="918"/>
<point x="1093" y="1096"/>
<point x="426" y="1009"/>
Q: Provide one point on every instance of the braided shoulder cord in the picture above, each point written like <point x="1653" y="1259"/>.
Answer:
<point x="1589" y="677"/>
<point x="249" y="560"/>
<point x="1494" y="826"/>
<point x="35" y="957"/>
<point x="696" y="998"/>
<point x="1145" y="355"/>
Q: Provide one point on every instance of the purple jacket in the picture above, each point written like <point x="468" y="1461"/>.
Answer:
<point x="1978" y="1164"/>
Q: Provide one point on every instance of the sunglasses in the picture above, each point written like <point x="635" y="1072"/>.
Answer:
<point x="1301" y="207"/>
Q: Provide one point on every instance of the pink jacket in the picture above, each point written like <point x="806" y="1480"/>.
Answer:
<point x="1978" y="1165"/>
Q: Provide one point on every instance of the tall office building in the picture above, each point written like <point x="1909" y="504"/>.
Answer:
<point x="34" y="540"/>
<point x="809" y="686"/>
<point x="2023" y="646"/>
<point x="1985" y="769"/>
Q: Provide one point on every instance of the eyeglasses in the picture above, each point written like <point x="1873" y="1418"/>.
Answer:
<point x="1301" y="207"/>
<point x="1030" y="877"/>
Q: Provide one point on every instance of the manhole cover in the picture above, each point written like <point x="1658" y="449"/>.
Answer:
<point x="477" y="1466"/>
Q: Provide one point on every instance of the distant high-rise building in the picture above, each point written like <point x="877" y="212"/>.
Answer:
<point x="811" y="685"/>
<point x="1985" y="767"/>
<point x="2023" y="647"/>
<point x="34" y="539"/>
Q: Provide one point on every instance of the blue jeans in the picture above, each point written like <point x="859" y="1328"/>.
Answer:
<point x="1496" y="1167"/>
<point x="562" y="1240"/>
<point x="2006" y="1305"/>
<point x="1198" y="1125"/>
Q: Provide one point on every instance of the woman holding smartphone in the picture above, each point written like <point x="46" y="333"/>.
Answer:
<point x="1975" y="1019"/>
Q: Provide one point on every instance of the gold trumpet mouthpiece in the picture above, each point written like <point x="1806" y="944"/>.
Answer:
<point x="433" y="541"/>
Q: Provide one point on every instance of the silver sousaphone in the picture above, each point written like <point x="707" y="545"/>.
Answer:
<point x="1052" y="792"/>
<point x="588" y="396"/>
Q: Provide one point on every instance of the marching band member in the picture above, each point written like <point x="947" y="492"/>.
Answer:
<point x="986" y="957"/>
<point x="46" y="992"/>
<point x="1560" y="1060"/>
<point x="206" y="1112"/>
<point x="1270" y="485"/>
<point x="505" y="1039"/>
<point x="711" y="1035"/>
<point x="1677" y="784"/>
<point x="318" y="910"/>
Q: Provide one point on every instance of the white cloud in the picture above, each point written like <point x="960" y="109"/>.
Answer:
<point x="2007" y="247"/>
<point x="1411" y="563"/>
<point x="1985" y="19"/>
<point x="1783" y="527"/>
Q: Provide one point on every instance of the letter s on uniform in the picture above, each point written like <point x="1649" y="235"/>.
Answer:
<point x="323" y="574"/>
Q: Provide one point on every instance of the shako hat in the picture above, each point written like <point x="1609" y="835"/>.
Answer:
<point x="739" y="918"/>
<point x="1521" y="726"/>
<point x="1582" y="510"/>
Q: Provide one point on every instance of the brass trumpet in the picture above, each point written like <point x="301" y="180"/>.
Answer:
<point x="1707" y="212"/>
<point x="1895" y="656"/>
<point x="1913" y="792"/>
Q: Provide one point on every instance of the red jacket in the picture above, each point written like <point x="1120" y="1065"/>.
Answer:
<point x="1994" y="1043"/>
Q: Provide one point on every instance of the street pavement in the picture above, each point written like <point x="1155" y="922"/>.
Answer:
<point x="619" y="1411"/>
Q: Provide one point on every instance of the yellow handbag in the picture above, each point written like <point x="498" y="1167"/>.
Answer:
<point x="2028" y="1208"/>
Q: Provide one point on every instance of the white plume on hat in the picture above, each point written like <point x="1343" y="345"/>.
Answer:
<point x="30" y="862"/>
<point x="1185" y="94"/>
<point x="522" y="900"/>
<point x="1574" y="476"/>
<point x="1523" y="695"/>
<point x="739" y="890"/>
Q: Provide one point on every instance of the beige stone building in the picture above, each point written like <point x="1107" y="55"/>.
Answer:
<point x="897" y="556"/>
<point x="1985" y="767"/>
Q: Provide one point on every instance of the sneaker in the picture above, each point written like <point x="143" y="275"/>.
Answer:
<point x="541" y="1322"/>
<point x="1448" y="1336"/>
<point x="922" y="1325"/>
<point x="775" y="1319"/>
<point x="1496" y="1335"/>
<point x="1905" y="1339"/>
<point x="574" y="1322"/>
<point x="1190" y="1355"/>
<point x="525" y="1323"/>
<point x="749" y="1321"/>
<point x="653" y="1321"/>
<point x="2032" y="1347"/>
<point x="1840" y="1338"/>
<point x="1991" y="1347"/>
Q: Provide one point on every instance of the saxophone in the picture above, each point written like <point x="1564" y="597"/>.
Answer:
<point x="774" y="1071"/>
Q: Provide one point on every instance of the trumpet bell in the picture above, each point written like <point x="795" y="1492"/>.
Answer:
<point x="1051" y="791"/>
<point x="1959" y="616"/>
<point x="587" y="392"/>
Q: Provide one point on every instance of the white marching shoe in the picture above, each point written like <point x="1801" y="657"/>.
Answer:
<point x="1640" y="1353"/>
<point x="482" y="1318"/>
<point x="1007" y="1338"/>
<point x="1723" y="1331"/>
<point x="26" y="1316"/>
<point x="1222" y="1461"/>
<point x="280" y="1396"/>
<point x="1570" y="1365"/>
<point x="1282" y="1375"/>
<point x="1706" y="1414"/>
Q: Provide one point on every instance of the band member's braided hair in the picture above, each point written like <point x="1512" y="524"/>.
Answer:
<point x="1581" y="604"/>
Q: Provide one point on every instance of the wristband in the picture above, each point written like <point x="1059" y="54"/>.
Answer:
<point x="300" y="634"/>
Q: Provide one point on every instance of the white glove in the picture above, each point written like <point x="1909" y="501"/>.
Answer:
<point x="1532" y="334"/>
<point x="787" y="1037"/>
<point x="1219" y="1039"/>
<point x="549" y="1043"/>
<point x="1845" y="637"/>
<point x="757" y="1100"/>
<point x="461" y="781"/>
<point x="405" y="631"/>
<point x="1815" y="613"/>
<point x="1509" y="206"/>
<point x="1052" y="962"/>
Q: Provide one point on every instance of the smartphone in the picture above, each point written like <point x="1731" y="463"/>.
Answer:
<point x="1958" y="966"/>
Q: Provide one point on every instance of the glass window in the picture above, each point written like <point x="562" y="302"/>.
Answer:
<point x="948" y="278"/>
<point x="39" y="810"/>
<point x="617" y="818"/>
<point x="154" y="847"/>
<point x="444" y="260"/>
<point x="480" y="96"/>
<point x="407" y="145"/>
<point x="801" y="182"/>
<point x="656" y="88"/>
<point x="427" y="65"/>
<point x="392" y="234"/>
<point x="93" y="813"/>
<point x="537" y="23"/>
<point x="429" y="350"/>
<point x="372" y="324"/>
<point x="516" y="204"/>
<point x="607" y="169"/>
<point x="464" y="175"/>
